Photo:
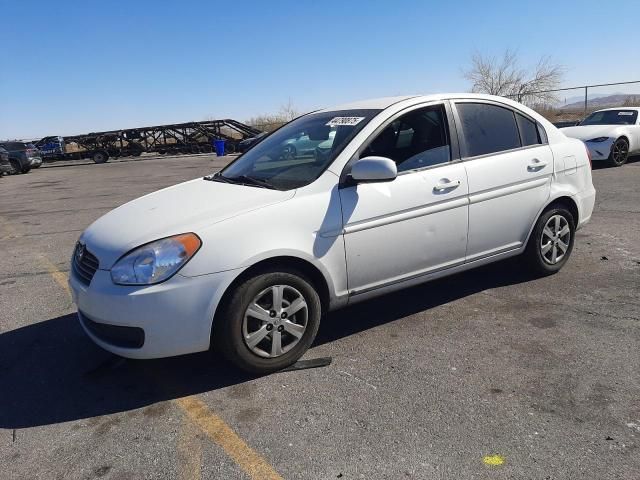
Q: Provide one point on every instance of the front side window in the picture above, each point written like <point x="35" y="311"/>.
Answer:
<point x="487" y="128"/>
<point x="611" y="117"/>
<point x="296" y="154"/>
<point x="415" y="140"/>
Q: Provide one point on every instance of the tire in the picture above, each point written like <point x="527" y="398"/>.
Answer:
<point x="619" y="153"/>
<point x="235" y="324"/>
<point x="543" y="242"/>
<point x="15" y="167"/>
<point x="26" y="168"/>
<point x="289" y="152"/>
<point x="100" y="157"/>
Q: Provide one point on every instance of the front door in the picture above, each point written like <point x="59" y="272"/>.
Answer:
<point x="417" y="223"/>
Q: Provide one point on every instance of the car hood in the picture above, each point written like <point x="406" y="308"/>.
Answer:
<point x="186" y="207"/>
<point x="590" y="131"/>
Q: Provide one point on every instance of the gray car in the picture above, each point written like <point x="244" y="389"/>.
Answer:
<point x="21" y="157"/>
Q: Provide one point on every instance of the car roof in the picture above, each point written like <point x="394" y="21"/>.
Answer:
<point x="385" y="102"/>
<point x="398" y="103"/>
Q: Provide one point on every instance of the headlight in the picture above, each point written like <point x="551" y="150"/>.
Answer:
<point x="155" y="262"/>
<point x="599" y="139"/>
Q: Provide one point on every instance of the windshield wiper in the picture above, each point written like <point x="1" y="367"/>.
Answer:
<point x="217" y="177"/>
<point x="240" y="180"/>
<point x="251" y="181"/>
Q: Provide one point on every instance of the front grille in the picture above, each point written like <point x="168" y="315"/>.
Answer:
<point x="116" y="335"/>
<point x="84" y="264"/>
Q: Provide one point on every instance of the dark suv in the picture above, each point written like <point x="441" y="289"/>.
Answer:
<point x="21" y="157"/>
<point x="5" y="166"/>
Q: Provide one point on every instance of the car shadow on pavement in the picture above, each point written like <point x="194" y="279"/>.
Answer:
<point x="50" y="372"/>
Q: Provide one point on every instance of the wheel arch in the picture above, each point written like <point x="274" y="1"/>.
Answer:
<point x="624" y="136"/>
<point x="287" y="262"/>
<point x="560" y="200"/>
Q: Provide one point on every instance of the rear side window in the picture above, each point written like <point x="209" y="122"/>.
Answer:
<point x="528" y="131"/>
<point x="487" y="128"/>
<point x="14" y="147"/>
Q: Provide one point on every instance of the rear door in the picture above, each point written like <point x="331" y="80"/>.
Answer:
<point x="509" y="166"/>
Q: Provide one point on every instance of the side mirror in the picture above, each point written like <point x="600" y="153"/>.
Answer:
<point x="374" y="169"/>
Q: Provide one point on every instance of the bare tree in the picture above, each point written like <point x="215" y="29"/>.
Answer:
<point x="288" y="110"/>
<point x="269" y="122"/>
<point x="506" y="78"/>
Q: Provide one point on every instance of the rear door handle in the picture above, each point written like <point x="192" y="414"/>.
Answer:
<point x="445" y="184"/>
<point x="536" y="165"/>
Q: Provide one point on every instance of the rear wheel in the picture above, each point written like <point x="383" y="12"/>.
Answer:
<point x="551" y="241"/>
<point x="100" y="157"/>
<point x="619" y="153"/>
<point x="269" y="322"/>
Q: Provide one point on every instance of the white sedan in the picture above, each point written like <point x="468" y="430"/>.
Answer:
<point x="611" y="134"/>
<point x="249" y="259"/>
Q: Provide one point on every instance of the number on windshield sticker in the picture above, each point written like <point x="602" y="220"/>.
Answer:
<point x="344" y="121"/>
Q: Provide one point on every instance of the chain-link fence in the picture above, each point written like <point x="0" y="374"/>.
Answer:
<point x="574" y="103"/>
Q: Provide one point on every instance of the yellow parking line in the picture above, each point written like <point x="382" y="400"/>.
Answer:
<point x="217" y="430"/>
<point x="60" y="277"/>
<point x="254" y="464"/>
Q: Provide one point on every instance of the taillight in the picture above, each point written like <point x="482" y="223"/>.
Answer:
<point x="588" y="156"/>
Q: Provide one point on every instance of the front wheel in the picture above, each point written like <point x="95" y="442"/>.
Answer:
<point x="619" y="153"/>
<point x="289" y="152"/>
<point x="551" y="241"/>
<point x="269" y="322"/>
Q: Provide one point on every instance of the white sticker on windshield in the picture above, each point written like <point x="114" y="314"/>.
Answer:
<point x="344" y="121"/>
<point x="625" y="113"/>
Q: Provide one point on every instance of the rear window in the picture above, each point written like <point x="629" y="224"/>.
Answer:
<point x="487" y="128"/>
<point x="14" y="146"/>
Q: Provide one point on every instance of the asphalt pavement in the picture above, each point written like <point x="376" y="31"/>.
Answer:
<point x="487" y="374"/>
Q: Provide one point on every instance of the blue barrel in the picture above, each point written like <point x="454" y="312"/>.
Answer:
<point x="219" y="144"/>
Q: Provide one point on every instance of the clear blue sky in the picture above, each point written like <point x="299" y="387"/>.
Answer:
<point x="74" y="67"/>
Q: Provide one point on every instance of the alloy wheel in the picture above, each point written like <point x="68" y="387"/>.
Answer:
<point x="555" y="240"/>
<point x="620" y="151"/>
<point x="275" y="321"/>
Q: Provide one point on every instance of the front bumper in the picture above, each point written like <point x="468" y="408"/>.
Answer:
<point x="35" y="161"/>
<point x="600" y="150"/>
<point x="175" y="316"/>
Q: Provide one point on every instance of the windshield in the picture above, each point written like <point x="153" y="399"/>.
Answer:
<point x="296" y="154"/>
<point x="611" y="117"/>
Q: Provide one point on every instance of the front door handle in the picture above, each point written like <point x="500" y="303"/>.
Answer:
<point x="536" y="165"/>
<point x="445" y="184"/>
